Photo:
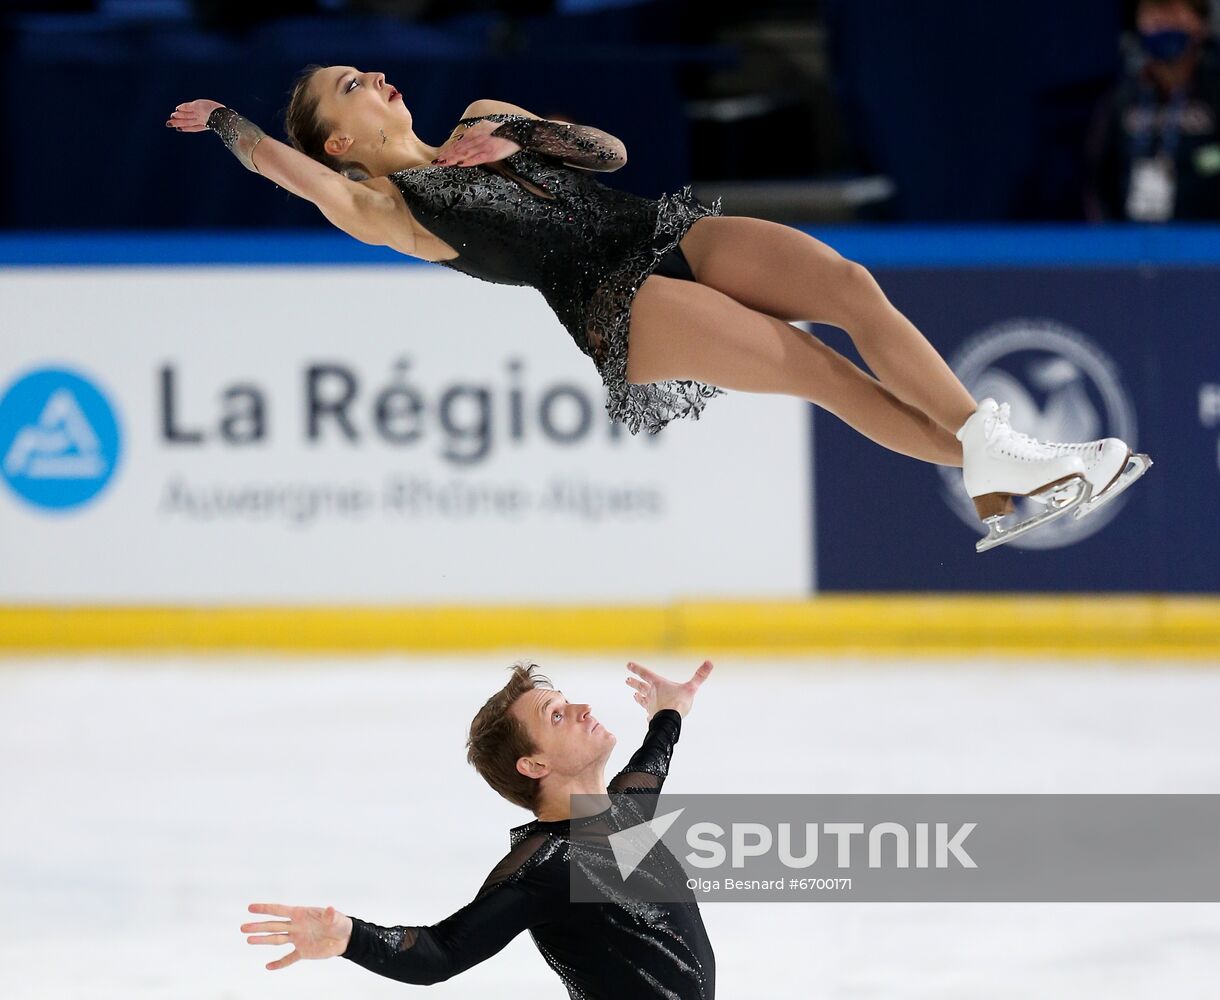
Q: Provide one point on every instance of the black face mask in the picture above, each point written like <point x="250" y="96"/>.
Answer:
<point x="1166" y="46"/>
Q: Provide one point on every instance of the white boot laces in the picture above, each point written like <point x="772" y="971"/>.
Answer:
<point x="1089" y="451"/>
<point x="1001" y="437"/>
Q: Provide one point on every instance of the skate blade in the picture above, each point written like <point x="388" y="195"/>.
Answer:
<point x="1136" y="466"/>
<point x="1060" y="499"/>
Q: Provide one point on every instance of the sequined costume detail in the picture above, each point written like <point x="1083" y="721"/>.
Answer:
<point x="619" y="946"/>
<point x="531" y="220"/>
<point x="575" y="145"/>
<point x="240" y="135"/>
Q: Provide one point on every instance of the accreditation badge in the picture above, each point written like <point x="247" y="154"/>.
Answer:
<point x="1153" y="184"/>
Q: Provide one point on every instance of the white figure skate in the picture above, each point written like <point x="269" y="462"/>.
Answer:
<point x="999" y="463"/>
<point x="1110" y="467"/>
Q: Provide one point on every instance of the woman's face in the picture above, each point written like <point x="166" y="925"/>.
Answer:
<point x="358" y="104"/>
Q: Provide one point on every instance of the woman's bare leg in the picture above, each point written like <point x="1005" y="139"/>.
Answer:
<point x="788" y="274"/>
<point x="683" y="329"/>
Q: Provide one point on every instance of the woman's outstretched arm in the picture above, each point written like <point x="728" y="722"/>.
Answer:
<point x="371" y="216"/>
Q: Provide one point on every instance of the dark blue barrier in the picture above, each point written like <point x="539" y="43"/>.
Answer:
<point x="1085" y="332"/>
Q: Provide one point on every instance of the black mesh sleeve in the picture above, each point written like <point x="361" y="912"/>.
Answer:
<point x="426" y="955"/>
<point x="649" y="765"/>
<point x="576" y="145"/>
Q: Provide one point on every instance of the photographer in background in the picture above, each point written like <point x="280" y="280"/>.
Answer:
<point x="1155" y="154"/>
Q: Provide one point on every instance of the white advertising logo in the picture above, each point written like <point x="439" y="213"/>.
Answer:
<point x="282" y="449"/>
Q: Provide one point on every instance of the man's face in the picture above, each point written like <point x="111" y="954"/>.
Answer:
<point x="568" y="738"/>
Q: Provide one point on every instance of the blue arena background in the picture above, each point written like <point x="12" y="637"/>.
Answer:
<point x="1143" y="300"/>
<point x="877" y="246"/>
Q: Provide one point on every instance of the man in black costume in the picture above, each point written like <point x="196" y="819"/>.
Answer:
<point x="545" y="753"/>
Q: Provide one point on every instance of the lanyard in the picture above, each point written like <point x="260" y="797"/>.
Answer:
<point x="1164" y="124"/>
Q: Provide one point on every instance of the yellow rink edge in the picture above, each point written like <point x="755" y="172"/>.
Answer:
<point x="1098" y="625"/>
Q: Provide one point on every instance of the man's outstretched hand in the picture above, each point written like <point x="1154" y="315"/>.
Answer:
<point x="655" y="693"/>
<point x="313" y="931"/>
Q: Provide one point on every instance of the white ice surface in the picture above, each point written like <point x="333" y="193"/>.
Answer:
<point x="146" y="801"/>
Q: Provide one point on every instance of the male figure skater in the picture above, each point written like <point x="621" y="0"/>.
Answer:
<point x="538" y="749"/>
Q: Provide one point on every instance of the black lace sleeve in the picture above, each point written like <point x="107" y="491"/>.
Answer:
<point x="506" y="905"/>
<point x="649" y="765"/>
<point x="576" y="145"/>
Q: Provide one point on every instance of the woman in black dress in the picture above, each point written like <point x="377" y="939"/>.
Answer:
<point x="703" y="301"/>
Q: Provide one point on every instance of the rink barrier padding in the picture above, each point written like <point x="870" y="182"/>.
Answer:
<point x="1144" y="626"/>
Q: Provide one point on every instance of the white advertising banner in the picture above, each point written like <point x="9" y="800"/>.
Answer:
<point x="362" y="435"/>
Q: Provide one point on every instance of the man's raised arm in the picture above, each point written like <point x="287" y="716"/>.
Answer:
<point x="666" y="703"/>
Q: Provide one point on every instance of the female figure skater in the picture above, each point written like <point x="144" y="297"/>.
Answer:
<point x="669" y="298"/>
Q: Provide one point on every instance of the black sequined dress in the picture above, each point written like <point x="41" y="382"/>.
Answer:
<point x="618" y="946"/>
<point x="585" y="246"/>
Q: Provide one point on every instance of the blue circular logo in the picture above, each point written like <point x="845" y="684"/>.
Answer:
<point x="59" y="439"/>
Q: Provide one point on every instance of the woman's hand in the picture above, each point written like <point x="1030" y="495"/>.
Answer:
<point x="655" y="693"/>
<point x="475" y="145"/>
<point x="192" y="117"/>
<point x="312" y="931"/>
